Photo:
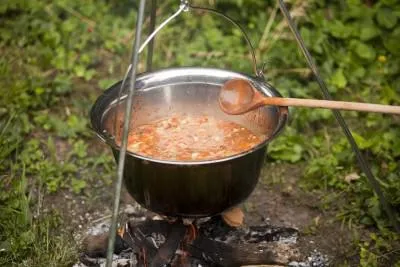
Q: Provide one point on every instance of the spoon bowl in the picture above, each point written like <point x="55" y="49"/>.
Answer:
<point x="237" y="96"/>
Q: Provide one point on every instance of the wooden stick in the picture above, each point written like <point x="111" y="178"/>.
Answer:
<point x="330" y="104"/>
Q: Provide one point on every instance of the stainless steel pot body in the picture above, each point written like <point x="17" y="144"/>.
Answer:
<point x="187" y="189"/>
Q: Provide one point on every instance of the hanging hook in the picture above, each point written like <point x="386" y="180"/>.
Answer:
<point x="261" y="71"/>
<point x="184" y="5"/>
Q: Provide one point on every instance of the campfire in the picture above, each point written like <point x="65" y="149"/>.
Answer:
<point x="147" y="239"/>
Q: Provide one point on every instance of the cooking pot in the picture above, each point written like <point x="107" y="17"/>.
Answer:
<point x="195" y="188"/>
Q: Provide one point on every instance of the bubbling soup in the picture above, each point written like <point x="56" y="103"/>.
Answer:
<point x="191" y="138"/>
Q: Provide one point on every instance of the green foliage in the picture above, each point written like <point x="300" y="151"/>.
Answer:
<point x="386" y="18"/>
<point x="25" y="239"/>
<point x="288" y="148"/>
<point x="46" y="47"/>
<point x="372" y="250"/>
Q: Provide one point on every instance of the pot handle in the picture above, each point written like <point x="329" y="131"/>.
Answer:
<point x="185" y="6"/>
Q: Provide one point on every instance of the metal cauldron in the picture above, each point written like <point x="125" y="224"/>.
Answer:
<point x="187" y="189"/>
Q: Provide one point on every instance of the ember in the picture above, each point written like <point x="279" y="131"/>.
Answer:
<point x="204" y="242"/>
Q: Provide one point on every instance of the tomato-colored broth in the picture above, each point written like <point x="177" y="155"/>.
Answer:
<point x="191" y="138"/>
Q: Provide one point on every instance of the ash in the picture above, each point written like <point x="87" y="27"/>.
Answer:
<point x="316" y="259"/>
<point x="262" y="237"/>
<point x="118" y="261"/>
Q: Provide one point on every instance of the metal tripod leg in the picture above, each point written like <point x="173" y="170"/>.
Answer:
<point x="127" y="118"/>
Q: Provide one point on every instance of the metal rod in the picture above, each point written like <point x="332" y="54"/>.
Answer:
<point x="121" y="160"/>
<point x="362" y="162"/>
<point x="119" y="101"/>
<point x="150" y="49"/>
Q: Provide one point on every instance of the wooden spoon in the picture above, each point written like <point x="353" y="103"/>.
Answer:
<point x="238" y="96"/>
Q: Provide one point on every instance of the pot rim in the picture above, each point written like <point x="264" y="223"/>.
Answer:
<point x="257" y="82"/>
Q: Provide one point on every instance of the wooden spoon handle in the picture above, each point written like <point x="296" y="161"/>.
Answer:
<point x="330" y="104"/>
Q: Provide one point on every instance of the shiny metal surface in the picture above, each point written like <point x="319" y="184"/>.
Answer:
<point x="187" y="189"/>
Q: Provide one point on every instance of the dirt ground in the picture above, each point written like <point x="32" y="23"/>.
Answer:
<point x="279" y="200"/>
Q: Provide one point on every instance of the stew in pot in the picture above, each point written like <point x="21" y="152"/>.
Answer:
<point x="191" y="138"/>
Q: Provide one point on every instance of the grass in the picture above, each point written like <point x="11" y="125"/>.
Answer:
<point x="58" y="56"/>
